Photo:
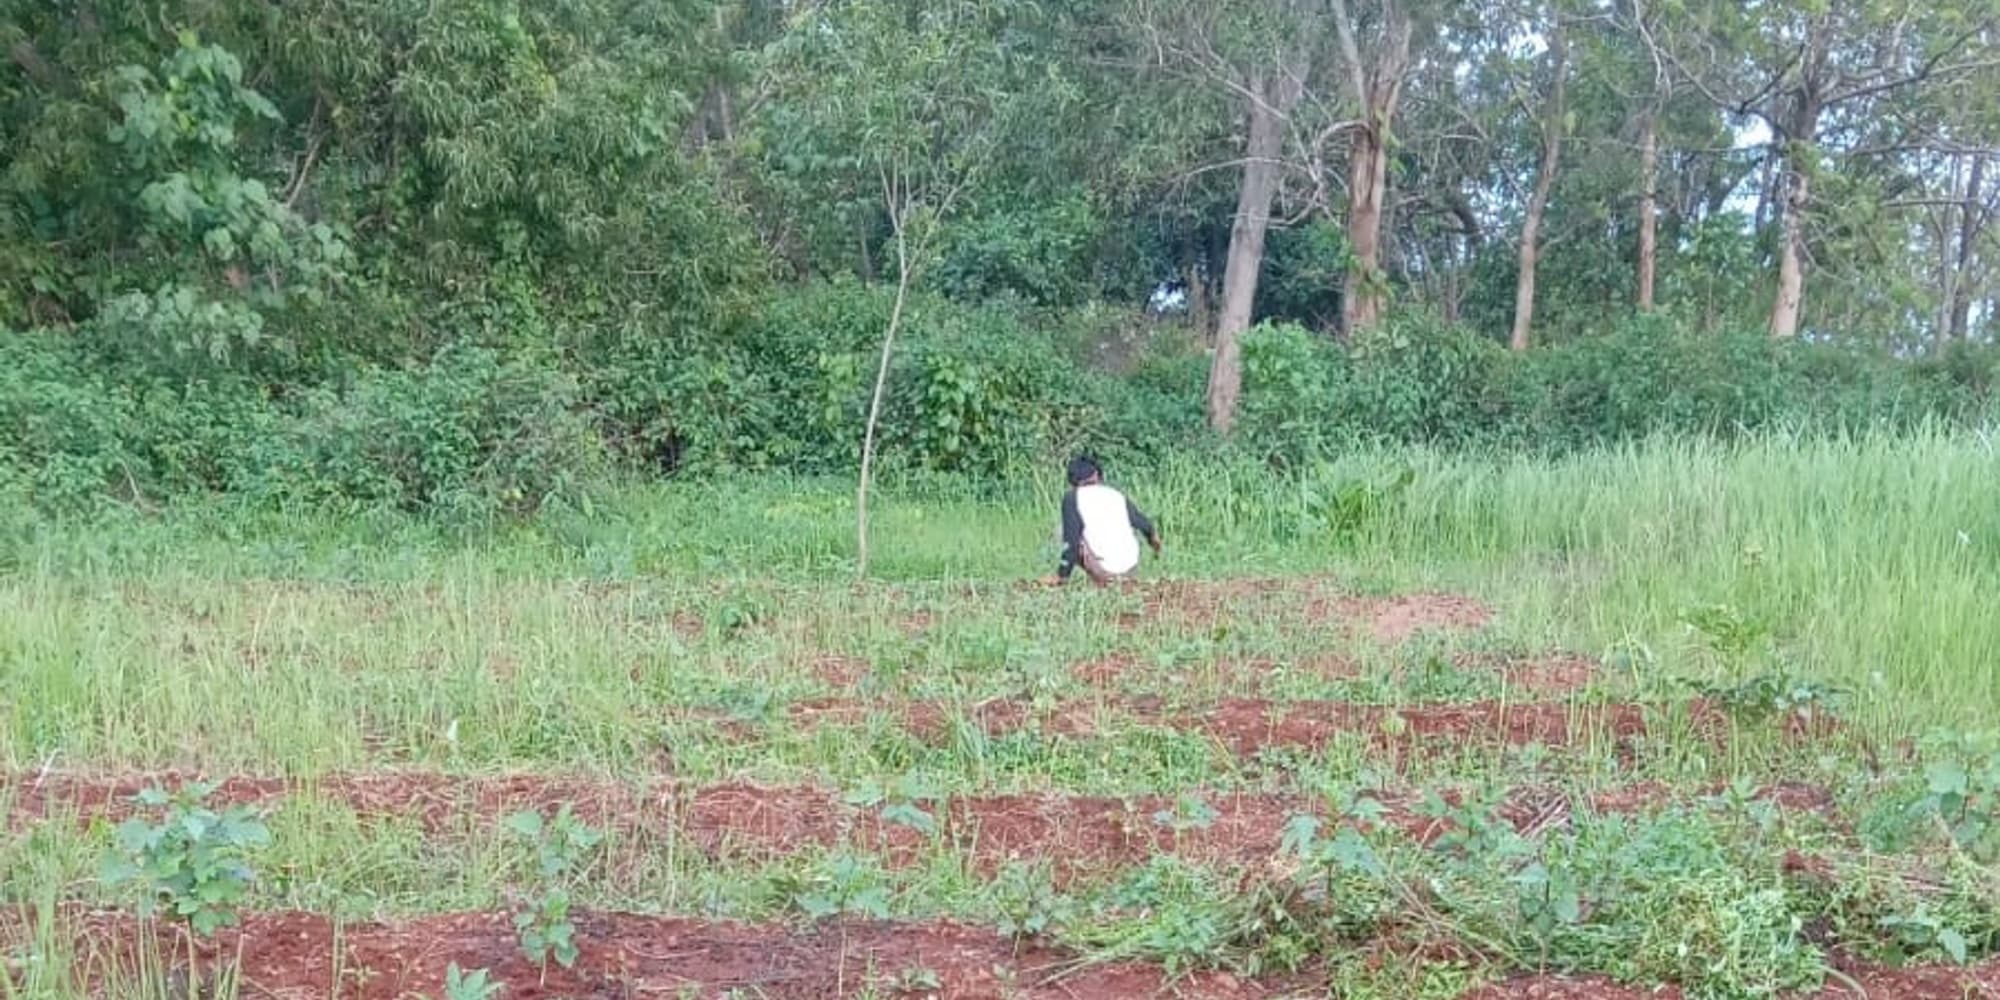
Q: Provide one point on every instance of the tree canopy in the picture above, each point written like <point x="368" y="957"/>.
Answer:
<point x="677" y="212"/>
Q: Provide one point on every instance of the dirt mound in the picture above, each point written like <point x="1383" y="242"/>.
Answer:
<point x="1553" y="674"/>
<point x="1120" y="669"/>
<point x="1207" y="603"/>
<point x="295" y="955"/>
<point x="1395" y="619"/>
<point x="1247" y="725"/>
<point x="1077" y="834"/>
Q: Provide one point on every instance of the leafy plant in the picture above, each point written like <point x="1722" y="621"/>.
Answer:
<point x="1190" y="811"/>
<point x="1773" y="695"/>
<point x="191" y="859"/>
<point x="474" y="985"/>
<point x="844" y="885"/>
<point x="562" y="845"/>
<point x="904" y="801"/>
<point x="1961" y="792"/>
<point x="1167" y="911"/>
<point x="917" y="979"/>
<point x="1921" y="930"/>
<point x="1728" y="630"/>
<point x="1026" y="903"/>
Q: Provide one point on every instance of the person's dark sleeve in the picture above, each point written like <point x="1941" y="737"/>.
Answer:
<point x="1072" y="536"/>
<point x="1139" y="522"/>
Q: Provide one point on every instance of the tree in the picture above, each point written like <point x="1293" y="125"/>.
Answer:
<point x="1554" y="118"/>
<point x="918" y="102"/>
<point x="1375" y="86"/>
<point x="1794" y="67"/>
<point x="1262" y="52"/>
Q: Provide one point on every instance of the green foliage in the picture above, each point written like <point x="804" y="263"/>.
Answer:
<point x="563" y="846"/>
<point x="1038" y="251"/>
<point x="907" y="800"/>
<point x="1166" y="911"/>
<point x="1026" y="904"/>
<point x="474" y="985"/>
<point x="1961" y="792"/>
<point x="842" y="884"/>
<point x="192" y="859"/>
<point x="470" y="433"/>
<point x="229" y="250"/>
<point x="464" y="256"/>
<point x="1773" y="695"/>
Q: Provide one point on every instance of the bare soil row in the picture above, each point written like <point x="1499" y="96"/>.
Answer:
<point x="305" y="957"/>
<point x="1077" y="835"/>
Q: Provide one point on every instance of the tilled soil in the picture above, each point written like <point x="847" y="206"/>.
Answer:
<point x="1557" y="674"/>
<point x="1245" y="726"/>
<point x="297" y="956"/>
<point x="1203" y="604"/>
<point x="1077" y="835"/>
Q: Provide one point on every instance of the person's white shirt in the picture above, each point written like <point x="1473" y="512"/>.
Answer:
<point x="1108" y="528"/>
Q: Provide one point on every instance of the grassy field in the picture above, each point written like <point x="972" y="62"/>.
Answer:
<point x="1411" y="724"/>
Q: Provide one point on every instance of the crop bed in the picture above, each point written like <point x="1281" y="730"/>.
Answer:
<point x="1268" y="788"/>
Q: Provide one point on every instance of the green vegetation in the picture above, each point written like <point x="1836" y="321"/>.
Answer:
<point x="429" y="433"/>
<point x="604" y="649"/>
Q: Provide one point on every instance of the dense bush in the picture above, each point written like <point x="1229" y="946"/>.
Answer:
<point x="471" y="432"/>
<point x="1417" y="381"/>
<point x="978" y="392"/>
<point x="972" y="389"/>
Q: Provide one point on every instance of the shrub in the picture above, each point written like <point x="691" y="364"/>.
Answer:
<point x="67" y="441"/>
<point x="471" y="432"/>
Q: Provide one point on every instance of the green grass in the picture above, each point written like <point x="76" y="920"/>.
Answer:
<point x="668" y="629"/>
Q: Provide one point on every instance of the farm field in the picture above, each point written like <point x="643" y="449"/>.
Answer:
<point x="1671" y="720"/>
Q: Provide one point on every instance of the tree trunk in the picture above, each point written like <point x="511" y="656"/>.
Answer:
<point x="1269" y="104"/>
<point x="1377" y="88"/>
<point x="1791" y="252"/>
<point x="1361" y="299"/>
<point x="1538" y="200"/>
<point x="1970" y="221"/>
<point x="1649" y="211"/>
<point x="903" y="275"/>
<point x="1801" y="133"/>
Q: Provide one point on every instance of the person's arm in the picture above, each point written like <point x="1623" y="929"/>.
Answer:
<point x="1142" y="525"/>
<point x="1072" y="536"/>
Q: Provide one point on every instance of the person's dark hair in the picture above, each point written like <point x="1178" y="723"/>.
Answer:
<point x="1081" y="469"/>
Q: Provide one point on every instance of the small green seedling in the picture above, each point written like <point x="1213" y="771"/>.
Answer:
<point x="191" y="859"/>
<point x="905" y="801"/>
<point x="1729" y="632"/>
<point x="474" y="985"/>
<point x="844" y="885"/>
<point x="1774" y="695"/>
<point x="1025" y="901"/>
<point x="917" y="980"/>
<point x="1189" y="812"/>
<point x="562" y="846"/>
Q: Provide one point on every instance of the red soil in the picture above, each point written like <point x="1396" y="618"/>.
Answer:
<point x="1543" y="675"/>
<point x="1394" y="619"/>
<point x="1077" y="834"/>
<point x="437" y="800"/>
<point x="1386" y="619"/>
<point x="293" y="955"/>
<point x="297" y="955"/>
<point x="1117" y="669"/>
<point x="1549" y="675"/>
<point x="1247" y="725"/>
